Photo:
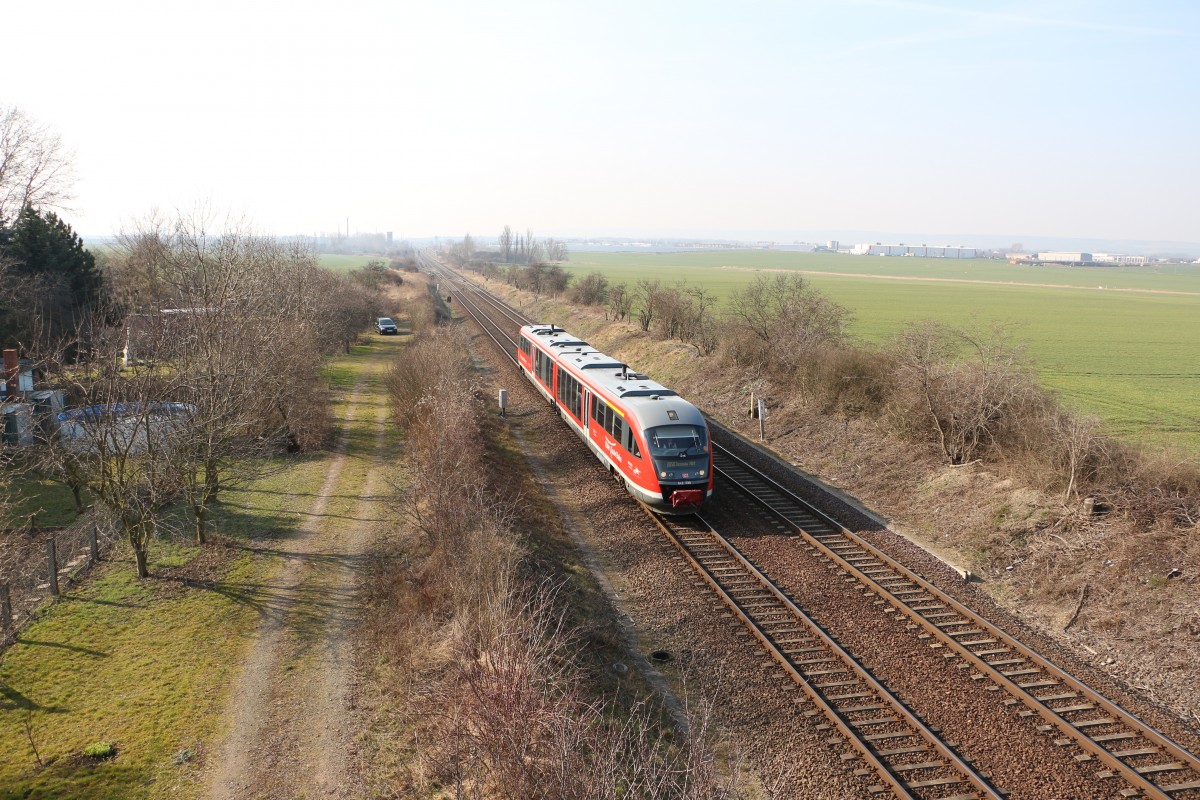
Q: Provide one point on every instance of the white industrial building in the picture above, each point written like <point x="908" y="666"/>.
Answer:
<point x="922" y="250"/>
<point x="1060" y="257"/>
<point x="1119" y="258"/>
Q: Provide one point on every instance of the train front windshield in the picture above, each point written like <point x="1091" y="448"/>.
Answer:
<point x="680" y="452"/>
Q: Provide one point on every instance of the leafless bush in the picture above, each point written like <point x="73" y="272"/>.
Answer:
<point x="481" y="654"/>
<point x="591" y="290"/>
<point x="971" y="390"/>
<point x="620" y="301"/>
<point x="520" y="723"/>
<point x="848" y="380"/>
<point x="775" y="323"/>
<point x="1160" y="488"/>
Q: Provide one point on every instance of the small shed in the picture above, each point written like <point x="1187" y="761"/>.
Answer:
<point x="18" y="423"/>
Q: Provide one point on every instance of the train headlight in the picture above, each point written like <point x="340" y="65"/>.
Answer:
<point x="664" y="474"/>
<point x="702" y="473"/>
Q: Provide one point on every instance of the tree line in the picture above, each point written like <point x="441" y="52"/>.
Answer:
<point x="512" y="248"/>
<point x="188" y="358"/>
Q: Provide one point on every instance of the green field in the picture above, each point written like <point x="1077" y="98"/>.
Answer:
<point x="1126" y="352"/>
<point x="343" y="263"/>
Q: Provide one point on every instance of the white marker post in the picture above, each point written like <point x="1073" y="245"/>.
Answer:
<point x="503" y="401"/>
<point x="762" y="419"/>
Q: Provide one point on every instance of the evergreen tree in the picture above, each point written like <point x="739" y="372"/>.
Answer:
<point x="50" y="282"/>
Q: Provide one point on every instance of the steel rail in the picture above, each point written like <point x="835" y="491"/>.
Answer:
<point x="485" y="323"/>
<point x="757" y="613"/>
<point x="480" y="293"/>
<point x="1013" y="667"/>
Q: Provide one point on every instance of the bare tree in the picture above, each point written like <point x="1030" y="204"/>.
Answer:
<point x="700" y="328"/>
<point x="506" y="244"/>
<point x="35" y="169"/>
<point x="121" y="443"/>
<point x="647" y="296"/>
<point x="244" y="321"/>
<point x="556" y="250"/>
<point x="620" y="301"/>
<point x="970" y="384"/>
<point x="775" y="322"/>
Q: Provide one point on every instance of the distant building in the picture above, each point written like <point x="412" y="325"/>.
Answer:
<point x="1119" y="258"/>
<point x="923" y="251"/>
<point x="1057" y="257"/>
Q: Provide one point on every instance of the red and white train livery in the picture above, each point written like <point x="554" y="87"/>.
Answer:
<point x="655" y="440"/>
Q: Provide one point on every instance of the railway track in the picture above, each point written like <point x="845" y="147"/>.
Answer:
<point x="908" y="758"/>
<point x="1125" y="748"/>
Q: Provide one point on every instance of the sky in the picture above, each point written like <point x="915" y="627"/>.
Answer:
<point x="708" y="119"/>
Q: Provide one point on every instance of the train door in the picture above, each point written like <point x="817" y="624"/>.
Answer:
<point x="585" y="416"/>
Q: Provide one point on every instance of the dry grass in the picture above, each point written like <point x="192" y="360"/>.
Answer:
<point x="477" y="657"/>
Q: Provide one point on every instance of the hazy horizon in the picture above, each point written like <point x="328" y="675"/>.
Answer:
<point x="1061" y="120"/>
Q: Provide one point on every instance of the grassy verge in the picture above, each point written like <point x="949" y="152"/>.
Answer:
<point x="147" y="665"/>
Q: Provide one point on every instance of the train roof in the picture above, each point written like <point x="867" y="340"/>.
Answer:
<point x="606" y="372"/>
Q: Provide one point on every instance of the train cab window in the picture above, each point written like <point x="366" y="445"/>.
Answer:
<point x="669" y="439"/>
<point x="679" y="452"/>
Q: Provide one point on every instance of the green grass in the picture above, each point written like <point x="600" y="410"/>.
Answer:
<point x="342" y="263"/>
<point x="1124" y="353"/>
<point x="148" y="665"/>
<point x="52" y="502"/>
<point x="140" y="664"/>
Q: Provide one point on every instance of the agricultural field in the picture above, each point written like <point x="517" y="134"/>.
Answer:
<point x="345" y="263"/>
<point x="1116" y="342"/>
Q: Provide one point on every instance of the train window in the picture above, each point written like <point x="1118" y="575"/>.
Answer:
<point x="570" y="394"/>
<point x="630" y="443"/>
<point x="544" y="367"/>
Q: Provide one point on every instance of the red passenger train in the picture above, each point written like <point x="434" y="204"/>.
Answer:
<point x="655" y="440"/>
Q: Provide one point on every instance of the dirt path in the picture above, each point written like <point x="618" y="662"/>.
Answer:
<point x="290" y="731"/>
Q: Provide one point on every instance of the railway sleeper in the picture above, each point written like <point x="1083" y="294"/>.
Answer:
<point x="1180" y="787"/>
<point x="1139" y="751"/>
<point x="879" y="737"/>
<point x="933" y="782"/>
<point x="914" y="766"/>
<point x="1174" y="766"/>
<point x="901" y="751"/>
<point x="1092" y="723"/>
